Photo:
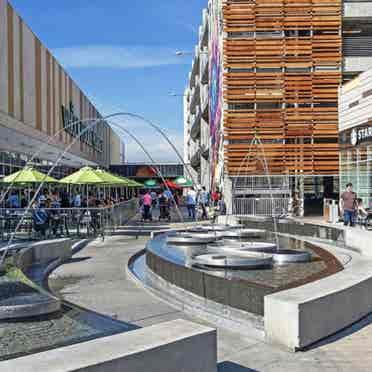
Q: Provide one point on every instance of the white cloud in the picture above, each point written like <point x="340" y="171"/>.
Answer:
<point x="154" y="143"/>
<point x="119" y="57"/>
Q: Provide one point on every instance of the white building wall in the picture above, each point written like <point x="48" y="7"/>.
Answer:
<point x="355" y="105"/>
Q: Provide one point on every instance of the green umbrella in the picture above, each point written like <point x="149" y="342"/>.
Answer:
<point x="110" y="179"/>
<point x="183" y="182"/>
<point x="28" y="175"/>
<point x="134" y="183"/>
<point x="131" y="183"/>
<point x="84" y="176"/>
<point x="151" y="183"/>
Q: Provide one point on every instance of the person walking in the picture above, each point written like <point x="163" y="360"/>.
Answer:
<point x="154" y="197"/>
<point x="147" y="202"/>
<point x="191" y="203"/>
<point x="204" y="202"/>
<point x="348" y="205"/>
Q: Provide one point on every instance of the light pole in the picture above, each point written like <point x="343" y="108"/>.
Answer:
<point x="173" y="94"/>
<point x="181" y="53"/>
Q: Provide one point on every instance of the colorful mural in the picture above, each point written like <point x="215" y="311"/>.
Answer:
<point x="215" y="88"/>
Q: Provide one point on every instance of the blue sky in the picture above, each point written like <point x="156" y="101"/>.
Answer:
<point x="121" y="53"/>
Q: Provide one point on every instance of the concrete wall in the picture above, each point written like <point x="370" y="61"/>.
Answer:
<point x="352" y="93"/>
<point x="359" y="240"/>
<point x="176" y="346"/>
<point x="358" y="9"/>
<point x="357" y="64"/>
<point x="301" y="316"/>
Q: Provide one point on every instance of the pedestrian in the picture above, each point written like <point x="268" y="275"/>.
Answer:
<point x="215" y="197"/>
<point x="191" y="202"/>
<point x="362" y="214"/>
<point x="77" y="200"/>
<point x="147" y="202"/>
<point x="40" y="218"/>
<point x="154" y="197"/>
<point x="348" y="205"/>
<point x="168" y="194"/>
<point x="13" y="200"/>
<point x="204" y="202"/>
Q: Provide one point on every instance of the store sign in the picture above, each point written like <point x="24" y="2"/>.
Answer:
<point x="359" y="135"/>
<point x="76" y="128"/>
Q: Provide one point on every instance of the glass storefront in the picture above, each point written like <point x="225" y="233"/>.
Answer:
<point x="356" y="163"/>
<point x="11" y="162"/>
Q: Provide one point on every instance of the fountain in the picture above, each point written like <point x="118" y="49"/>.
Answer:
<point x="239" y="260"/>
<point x="280" y="255"/>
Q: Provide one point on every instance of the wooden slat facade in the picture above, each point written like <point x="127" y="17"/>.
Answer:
<point x="282" y="61"/>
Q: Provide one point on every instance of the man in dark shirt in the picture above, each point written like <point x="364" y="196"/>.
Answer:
<point x="348" y="205"/>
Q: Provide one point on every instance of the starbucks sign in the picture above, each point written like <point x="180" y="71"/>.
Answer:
<point x="354" y="137"/>
<point x="359" y="135"/>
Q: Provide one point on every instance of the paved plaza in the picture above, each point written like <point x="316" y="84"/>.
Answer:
<point x="96" y="278"/>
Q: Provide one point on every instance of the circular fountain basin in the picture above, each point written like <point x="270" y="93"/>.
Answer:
<point x="246" y="260"/>
<point x="186" y="238"/>
<point x="208" y="228"/>
<point x="280" y="256"/>
<point x="242" y="233"/>
<point x="237" y="246"/>
<point x="283" y="256"/>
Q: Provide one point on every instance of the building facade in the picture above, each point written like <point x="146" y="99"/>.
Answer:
<point x="38" y="103"/>
<point x="196" y="111"/>
<point x="274" y="72"/>
<point x="356" y="136"/>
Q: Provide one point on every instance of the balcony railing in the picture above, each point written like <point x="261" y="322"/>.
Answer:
<point x="204" y="67"/>
<point x="195" y="128"/>
<point x="195" y="98"/>
<point x="195" y="160"/>
<point x="204" y="31"/>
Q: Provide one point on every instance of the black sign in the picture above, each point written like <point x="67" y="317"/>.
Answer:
<point x="356" y="135"/>
<point x="76" y="128"/>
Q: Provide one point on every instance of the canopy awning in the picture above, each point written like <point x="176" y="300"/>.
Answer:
<point x="183" y="182"/>
<point x="84" y="176"/>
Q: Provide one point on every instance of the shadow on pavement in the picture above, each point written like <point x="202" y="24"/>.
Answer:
<point x="233" y="367"/>
<point x="356" y="327"/>
<point x="77" y="259"/>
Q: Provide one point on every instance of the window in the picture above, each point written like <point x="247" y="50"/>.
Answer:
<point x="353" y="104"/>
<point x="367" y="93"/>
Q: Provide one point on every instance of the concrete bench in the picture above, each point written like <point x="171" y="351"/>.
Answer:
<point x="178" y="345"/>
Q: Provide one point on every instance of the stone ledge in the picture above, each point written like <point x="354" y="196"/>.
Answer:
<point x="177" y="345"/>
<point x="40" y="302"/>
<point x="301" y="316"/>
<point x="213" y="312"/>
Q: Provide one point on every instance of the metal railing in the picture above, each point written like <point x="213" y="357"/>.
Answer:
<point x="260" y="206"/>
<point x="68" y="222"/>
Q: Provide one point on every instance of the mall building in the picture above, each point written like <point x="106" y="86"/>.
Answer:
<point x="261" y="103"/>
<point x="38" y="103"/>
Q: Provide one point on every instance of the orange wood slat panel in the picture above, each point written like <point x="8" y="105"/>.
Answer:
<point x="282" y="61"/>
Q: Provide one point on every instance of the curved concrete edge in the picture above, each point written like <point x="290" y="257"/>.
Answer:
<point x="359" y="240"/>
<point x="49" y="305"/>
<point x="166" y="347"/>
<point x="46" y="252"/>
<point x="301" y="316"/>
<point x="214" y="313"/>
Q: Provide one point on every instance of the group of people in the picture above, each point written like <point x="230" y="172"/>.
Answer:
<point x="352" y="209"/>
<point x="204" y="200"/>
<point x="193" y="199"/>
<point x="164" y="200"/>
<point x="48" y="205"/>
